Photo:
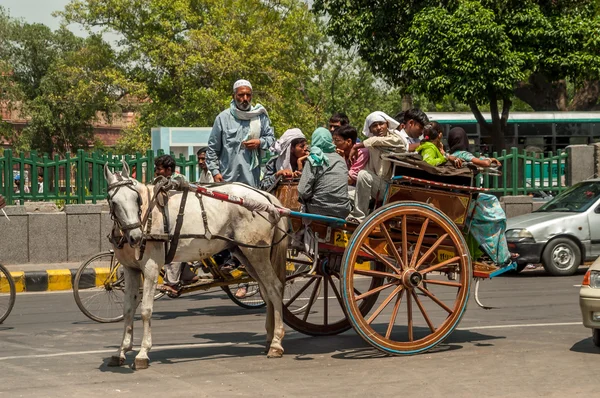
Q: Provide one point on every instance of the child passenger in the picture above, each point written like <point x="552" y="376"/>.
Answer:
<point x="323" y="187"/>
<point x="432" y="149"/>
<point x="344" y="139"/>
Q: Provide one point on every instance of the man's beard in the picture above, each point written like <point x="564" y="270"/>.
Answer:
<point x="243" y="106"/>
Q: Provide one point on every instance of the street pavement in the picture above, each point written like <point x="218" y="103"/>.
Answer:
<point x="204" y="345"/>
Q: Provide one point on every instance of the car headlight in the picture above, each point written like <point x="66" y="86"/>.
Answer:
<point x="519" y="234"/>
<point x="592" y="279"/>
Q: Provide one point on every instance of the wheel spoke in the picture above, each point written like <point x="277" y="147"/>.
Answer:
<point x="325" y="300"/>
<point x="384" y="304"/>
<point x="431" y="249"/>
<point x="404" y="241"/>
<point x="300" y="291"/>
<point x="445" y="283"/>
<point x="312" y="300"/>
<point x="391" y="245"/>
<point x="394" y="314"/>
<point x="420" y="305"/>
<point x="415" y="255"/>
<point x="376" y="274"/>
<point x="372" y="252"/>
<point x="435" y="299"/>
<point x="337" y="294"/>
<point x="440" y="265"/>
<point x="409" y="316"/>
<point x="376" y="290"/>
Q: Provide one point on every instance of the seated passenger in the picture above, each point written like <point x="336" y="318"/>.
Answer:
<point x="431" y="148"/>
<point x="370" y="182"/>
<point x="323" y="186"/>
<point x="291" y="150"/>
<point x="486" y="221"/>
<point x="344" y="139"/>
<point x="459" y="147"/>
<point x="411" y="128"/>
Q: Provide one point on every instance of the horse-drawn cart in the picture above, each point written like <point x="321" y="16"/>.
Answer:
<point x="401" y="278"/>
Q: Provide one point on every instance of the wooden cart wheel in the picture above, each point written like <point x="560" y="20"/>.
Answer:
<point x="314" y="306"/>
<point x="416" y="242"/>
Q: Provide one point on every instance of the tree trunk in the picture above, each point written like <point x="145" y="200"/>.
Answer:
<point x="586" y="97"/>
<point x="540" y="94"/>
<point x="497" y="128"/>
<point x="543" y="95"/>
<point x="407" y="102"/>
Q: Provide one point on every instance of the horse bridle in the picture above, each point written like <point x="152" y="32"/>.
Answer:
<point x="116" y="186"/>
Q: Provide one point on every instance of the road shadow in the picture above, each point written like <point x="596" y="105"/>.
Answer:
<point x="347" y="346"/>
<point x="540" y="272"/>
<point x="221" y="310"/>
<point x="4" y="328"/>
<point x="585" y="346"/>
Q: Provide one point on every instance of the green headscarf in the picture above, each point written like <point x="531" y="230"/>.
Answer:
<point x="321" y="143"/>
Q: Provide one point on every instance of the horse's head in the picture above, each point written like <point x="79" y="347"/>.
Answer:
<point x="125" y="203"/>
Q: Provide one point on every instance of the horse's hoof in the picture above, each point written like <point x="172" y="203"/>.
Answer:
<point x="275" y="353"/>
<point x="116" y="361"/>
<point x="141" y="363"/>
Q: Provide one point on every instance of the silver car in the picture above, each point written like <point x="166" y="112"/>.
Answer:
<point x="562" y="233"/>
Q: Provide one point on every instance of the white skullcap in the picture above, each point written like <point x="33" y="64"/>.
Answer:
<point x="241" y="83"/>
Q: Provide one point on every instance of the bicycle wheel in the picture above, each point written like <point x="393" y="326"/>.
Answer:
<point x="251" y="300"/>
<point x="7" y="293"/>
<point x="99" y="288"/>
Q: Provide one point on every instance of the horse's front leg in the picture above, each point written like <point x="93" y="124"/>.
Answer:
<point x="151" y="270"/>
<point x="132" y="296"/>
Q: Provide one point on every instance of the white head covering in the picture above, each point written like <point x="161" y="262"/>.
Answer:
<point x="242" y="83"/>
<point x="378" y="116"/>
<point x="282" y="147"/>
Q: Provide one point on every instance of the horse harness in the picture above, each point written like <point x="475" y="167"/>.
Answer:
<point x="160" y="197"/>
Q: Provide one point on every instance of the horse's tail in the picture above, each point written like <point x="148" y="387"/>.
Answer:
<point x="279" y="248"/>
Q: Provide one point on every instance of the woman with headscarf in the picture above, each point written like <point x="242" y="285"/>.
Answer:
<point x="323" y="187"/>
<point x="290" y="152"/>
<point x="486" y="220"/>
<point x="459" y="147"/>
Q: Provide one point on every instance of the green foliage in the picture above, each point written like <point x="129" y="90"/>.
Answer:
<point x="62" y="83"/>
<point x="475" y="51"/>
<point x="188" y="54"/>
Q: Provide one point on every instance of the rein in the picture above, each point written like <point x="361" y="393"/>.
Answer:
<point x="171" y="240"/>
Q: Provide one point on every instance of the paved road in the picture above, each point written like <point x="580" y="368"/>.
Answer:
<point x="206" y="346"/>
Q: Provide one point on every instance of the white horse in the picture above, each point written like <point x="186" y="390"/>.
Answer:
<point x="129" y="203"/>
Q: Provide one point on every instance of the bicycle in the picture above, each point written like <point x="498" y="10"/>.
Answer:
<point x="99" y="287"/>
<point x="7" y="293"/>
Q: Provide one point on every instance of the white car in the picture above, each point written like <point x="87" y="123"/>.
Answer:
<point x="589" y="300"/>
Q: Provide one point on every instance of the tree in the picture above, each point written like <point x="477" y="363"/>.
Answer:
<point x="61" y="83"/>
<point x="478" y="52"/>
<point x="187" y="54"/>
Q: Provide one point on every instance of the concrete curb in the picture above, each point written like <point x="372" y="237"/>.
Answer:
<point x="57" y="279"/>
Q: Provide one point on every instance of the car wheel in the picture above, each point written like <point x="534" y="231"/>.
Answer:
<point x="596" y="337"/>
<point x="561" y="257"/>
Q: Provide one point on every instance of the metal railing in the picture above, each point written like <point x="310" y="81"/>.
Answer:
<point x="525" y="173"/>
<point x="79" y="178"/>
<point x="75" y="178"/>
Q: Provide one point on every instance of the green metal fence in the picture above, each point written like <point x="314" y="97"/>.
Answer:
<point x="80" y="178"/>
<point x="76" y="178"/>
<point x="525" y="173"/>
